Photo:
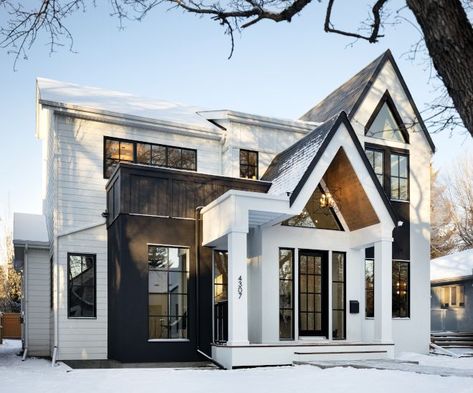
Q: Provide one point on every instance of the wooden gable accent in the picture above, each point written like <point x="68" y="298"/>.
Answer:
<point x="349" y="194"/>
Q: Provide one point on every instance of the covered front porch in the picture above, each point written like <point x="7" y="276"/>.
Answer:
<point x="297" y="292"/>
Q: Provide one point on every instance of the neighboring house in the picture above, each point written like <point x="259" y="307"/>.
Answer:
<point x="452" y="292"/>
<point x="177" y="233"/>
<point x="31" y="245"/>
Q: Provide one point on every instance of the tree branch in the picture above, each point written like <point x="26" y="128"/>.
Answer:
<point x="375" y="25"/>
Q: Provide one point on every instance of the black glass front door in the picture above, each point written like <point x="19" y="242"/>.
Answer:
<point x="313" y="293"/>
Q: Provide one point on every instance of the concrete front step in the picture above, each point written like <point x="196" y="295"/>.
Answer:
<point x="363" y="352"/>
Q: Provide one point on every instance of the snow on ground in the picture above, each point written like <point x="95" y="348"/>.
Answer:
<point x="36" y="375"/>
<point x="464" y="363"/>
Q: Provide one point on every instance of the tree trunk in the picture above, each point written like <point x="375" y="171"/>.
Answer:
<point x="448" y="36"/>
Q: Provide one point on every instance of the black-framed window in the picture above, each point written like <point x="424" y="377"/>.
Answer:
<point x="399" y="177"/>
<point x="400" y="289"/>
<point x="121" y="150"/>
<point x="248" y="164"/>
<point x="376" y="159"/>
<point x="391" y="166"/>
<point x="168" y="271"/>
<point x="82" y="286"/>
<point x="369" y="288"/>
<point x="286" y="294"/>
<point x="315" y="216"/>
<point x="220" y="273"/>
<point x="386" y="123"/>
<point x="338" y="296"/>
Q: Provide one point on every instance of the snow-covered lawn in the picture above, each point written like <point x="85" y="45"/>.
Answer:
<point x="36" y="375"/>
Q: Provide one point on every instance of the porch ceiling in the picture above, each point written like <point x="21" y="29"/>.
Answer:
<point x="257" y="218"/>
<point x="349" y="194"/>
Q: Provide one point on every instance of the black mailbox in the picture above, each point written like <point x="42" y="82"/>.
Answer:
<point x="354" y="306"/>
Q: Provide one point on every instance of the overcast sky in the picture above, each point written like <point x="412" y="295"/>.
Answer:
<point x="277" y="69"/>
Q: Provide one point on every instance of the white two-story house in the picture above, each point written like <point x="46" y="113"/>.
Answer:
<point x="178" y="234"/>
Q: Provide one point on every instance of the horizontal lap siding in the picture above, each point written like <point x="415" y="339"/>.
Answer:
<point x="38" y="307"/>
<point x="80" y="199"/>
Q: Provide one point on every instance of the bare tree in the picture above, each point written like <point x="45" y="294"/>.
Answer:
<point x="444" y="24"/>
<point x="443" y="231"/>
<point x="460" y="189"/>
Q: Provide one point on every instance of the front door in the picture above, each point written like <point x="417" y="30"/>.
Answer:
<point x="313" y="293"/>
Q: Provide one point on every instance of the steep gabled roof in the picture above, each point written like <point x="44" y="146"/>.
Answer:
<point x="291" y="168"/>
<point x="349" y="96"/>
<point x="288" y="167"/>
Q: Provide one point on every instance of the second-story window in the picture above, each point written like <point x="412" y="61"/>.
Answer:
<point x="376" y="159"/>
<point x="248" y="164"/>
<point x="391" y="167"/>
<point x="119" y="150"/>
<point x="399" y="176"/>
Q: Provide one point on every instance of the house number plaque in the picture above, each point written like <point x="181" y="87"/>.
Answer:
<point x="240" y="287"/>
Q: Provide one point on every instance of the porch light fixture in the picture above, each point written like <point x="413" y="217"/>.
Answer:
<point x="326" y="200"/>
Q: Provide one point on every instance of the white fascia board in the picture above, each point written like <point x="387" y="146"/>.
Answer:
<point x="342" y="139"/>
<point x="251" y="195"/>
<point x="365" y="237"/>
<point x="86" y="113"/>
<point x="258" y="120"/>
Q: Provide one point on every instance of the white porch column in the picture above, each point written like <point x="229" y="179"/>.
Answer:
<point x="383" y="290"/>
<point x="237" y="289"/>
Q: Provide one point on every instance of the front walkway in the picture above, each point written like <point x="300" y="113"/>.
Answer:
<point x="398" y="365"/>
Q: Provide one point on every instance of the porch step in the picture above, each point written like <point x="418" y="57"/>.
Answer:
<point x="452" y="340"/>
<point x="343" y="353"/>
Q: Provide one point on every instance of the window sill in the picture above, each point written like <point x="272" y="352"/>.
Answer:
<point x="86" y="318"/>
<point x="168" y="340"/>
<point x="401" y="318"/>
<point x="369" y="318"/>
<point x="400" y="200"/>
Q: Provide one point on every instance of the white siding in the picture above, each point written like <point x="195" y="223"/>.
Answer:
<point x="410" y="334"/>
<point x="38" y="307"/>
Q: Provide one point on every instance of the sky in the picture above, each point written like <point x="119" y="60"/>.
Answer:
<point x="277" y="70"/>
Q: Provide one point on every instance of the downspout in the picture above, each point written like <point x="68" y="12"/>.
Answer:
<point x="197" y="272"/>
<point x="56" y="306"/>
<point x="25" y="310"/>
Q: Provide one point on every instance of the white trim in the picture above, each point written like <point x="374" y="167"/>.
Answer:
<point x="104" y="116"/>
<point x="258" y="120"/>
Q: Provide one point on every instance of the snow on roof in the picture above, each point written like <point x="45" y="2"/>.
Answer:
<point x="453" y="265"/>
<point x="94" y="98"/>
<point x="29" y="228"/>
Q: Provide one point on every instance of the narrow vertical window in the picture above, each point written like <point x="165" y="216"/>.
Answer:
<point x="338" y="296"/>
<point x="400" y="289"/>
<point x="248" y="164"/>
<point x="286" y="294"/>
<point x="369" y="288"/>
<point x="220" y="296"/>
<point x="461" y="295"/>
<point x="81" y="300"/>
<point x="376" y="159"/>
<point x="453" y="296"/>
<point x="168" y="271"/>
<point x="399" y="177"/>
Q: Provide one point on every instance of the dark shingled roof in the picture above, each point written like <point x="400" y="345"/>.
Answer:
<point x="291" y="168"/>
<point x="288" y="167"/>
<point x="347" y="95"/>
